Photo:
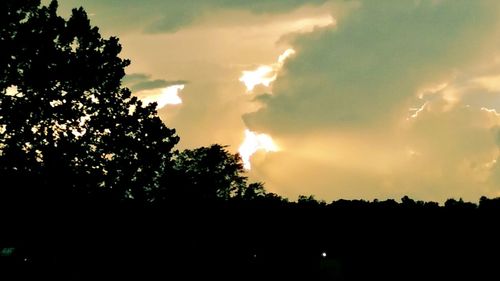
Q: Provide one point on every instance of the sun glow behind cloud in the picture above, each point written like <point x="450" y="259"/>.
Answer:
<point x="254" y="142"/>
<point x="163" y="97"/>
<point x="264" y="74"/>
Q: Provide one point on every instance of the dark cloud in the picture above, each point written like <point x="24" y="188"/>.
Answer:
<point x="155" y="84"/>
<point x="156" y="16"/>
<point x="140" y="81"/>
<point x="339" y="107"/>
<point x="365" y="70"/>
<point x="135" y="77"/>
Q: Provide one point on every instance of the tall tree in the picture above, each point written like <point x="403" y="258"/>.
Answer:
<point x="66" y="124"/>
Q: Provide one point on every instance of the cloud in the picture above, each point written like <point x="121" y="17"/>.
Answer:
<point x="264" y="74"/>
<point x="157" y="16"/>
<point x="254" y="142"/>
<point x="155" y="84"/>
<point x="362" y="71"/>
<point x="162" y="97"/>
<point x="439" y="155"/>
<point x="139" y="82"/>
<point x="163" y="92"/>
<point x="212" y="58"/>
<point x="135" y="78"/>
<point x="387" y="103"/>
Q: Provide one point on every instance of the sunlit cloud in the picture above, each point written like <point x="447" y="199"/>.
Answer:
<point x="415" y="111"/>
<point x="285" y="55"/>
<point x="163" y="97"/>
<point x="491" y="164"/>
<point x="490" y="83"/>
<point x="432" y="90"/>
<point x="264" y="74"/>
<point x="254" y="142"/>
<point x="309" y="24"/>
<point x="490" y="110"/>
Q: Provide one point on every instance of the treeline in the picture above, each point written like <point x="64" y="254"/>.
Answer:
<point x="263" y="238"/>
<point x="405" y="203"/>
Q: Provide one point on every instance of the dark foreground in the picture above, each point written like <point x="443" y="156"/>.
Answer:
<point x="237" y="241"/>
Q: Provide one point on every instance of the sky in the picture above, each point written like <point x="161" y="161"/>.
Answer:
<point x="335" y="98"/>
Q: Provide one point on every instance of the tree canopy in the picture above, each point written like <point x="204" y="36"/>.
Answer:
<point x="209" y="174"/>
<point x="66" y="123"/>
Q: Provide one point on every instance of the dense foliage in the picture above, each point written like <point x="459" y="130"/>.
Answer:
<point x="66" y="123"/>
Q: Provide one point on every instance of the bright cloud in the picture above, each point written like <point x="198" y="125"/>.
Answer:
<point x="416" y="110"/>
<point x="254" y="142"/>
<point x="163" y="97"/>
<point x="490" y="83"/>
<point x="284" y="56"/>
<point x="264" y="74"/>
<point x="490" y="110"/>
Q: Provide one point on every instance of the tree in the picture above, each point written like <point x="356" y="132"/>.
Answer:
<point x="459" y="205"/>
<point x="310" y="201"/>
<point x="66" y="124"/>
<point x="208" y="174"/>
<point x="254" y="191"/>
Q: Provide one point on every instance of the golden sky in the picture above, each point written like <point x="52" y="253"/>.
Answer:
<point x="375" y="99"/>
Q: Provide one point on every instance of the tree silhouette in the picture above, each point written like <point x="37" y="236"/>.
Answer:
<point x="309" y="201"/>
<point x="254" y="191"/>
<point x="66" y="124"/>
<point x="209" y="174"/>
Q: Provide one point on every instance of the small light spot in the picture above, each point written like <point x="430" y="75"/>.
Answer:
<point x="323" y="254"/>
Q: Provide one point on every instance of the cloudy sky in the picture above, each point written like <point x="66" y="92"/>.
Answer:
<point x="340" y="99"/>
